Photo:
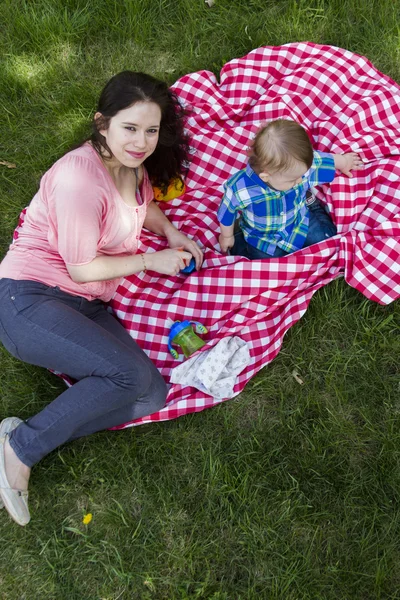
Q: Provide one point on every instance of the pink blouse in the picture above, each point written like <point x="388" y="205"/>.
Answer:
<point x="76" y="215"/>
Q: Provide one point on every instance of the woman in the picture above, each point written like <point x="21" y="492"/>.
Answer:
<point x="79" y="237"/>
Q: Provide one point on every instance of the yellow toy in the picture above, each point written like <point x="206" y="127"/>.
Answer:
<point x="175" y="189"/>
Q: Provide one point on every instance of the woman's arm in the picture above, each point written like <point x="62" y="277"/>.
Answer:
<point x="158" y="223"/>
<point x="102" y="268"/>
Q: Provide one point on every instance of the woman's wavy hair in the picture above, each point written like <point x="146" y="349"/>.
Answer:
<point x="171" y="156"/>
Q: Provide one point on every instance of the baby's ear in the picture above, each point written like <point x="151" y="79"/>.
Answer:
<point x="264" y="176"/>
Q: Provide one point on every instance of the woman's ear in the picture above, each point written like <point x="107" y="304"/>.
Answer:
<point x="99" y="122"/>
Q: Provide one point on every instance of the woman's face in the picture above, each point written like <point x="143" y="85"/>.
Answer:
<point x="132" y="134"/>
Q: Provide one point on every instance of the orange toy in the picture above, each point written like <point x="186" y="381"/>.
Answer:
<point x="175" y="189"/>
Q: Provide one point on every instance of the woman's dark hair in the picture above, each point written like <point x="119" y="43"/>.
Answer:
<point x="171" y="156"/>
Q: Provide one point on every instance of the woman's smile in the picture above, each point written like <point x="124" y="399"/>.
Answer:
<point x="137" y="155"/>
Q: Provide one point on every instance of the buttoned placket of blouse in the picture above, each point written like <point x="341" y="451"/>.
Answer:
<point x="134" y="210"/>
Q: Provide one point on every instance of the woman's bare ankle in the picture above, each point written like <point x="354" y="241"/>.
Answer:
<point x="16" y="471"/>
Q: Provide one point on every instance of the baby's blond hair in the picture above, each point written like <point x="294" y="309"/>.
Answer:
<point x="279" y="145"/>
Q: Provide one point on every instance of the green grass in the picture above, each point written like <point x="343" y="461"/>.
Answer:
<point x="290" y="491"/>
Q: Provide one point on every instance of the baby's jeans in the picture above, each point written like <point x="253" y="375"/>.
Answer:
<point x="115" y="381"/>
<point x="321" y="227"/>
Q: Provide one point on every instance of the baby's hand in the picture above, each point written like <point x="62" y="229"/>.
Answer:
<point x="347" y="162"/>
<point x="226" y="242"/>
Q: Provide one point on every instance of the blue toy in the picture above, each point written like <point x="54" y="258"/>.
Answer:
<point x="182" y="334"/>
<point x="190" y="267"/>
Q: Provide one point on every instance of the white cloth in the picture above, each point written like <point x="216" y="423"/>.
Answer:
<point x="214" y="371"/>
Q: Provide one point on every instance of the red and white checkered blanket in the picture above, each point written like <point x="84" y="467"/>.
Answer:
<point x="346" y="105"/>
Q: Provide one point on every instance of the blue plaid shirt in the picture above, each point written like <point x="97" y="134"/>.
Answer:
<point x="269" y="217"/>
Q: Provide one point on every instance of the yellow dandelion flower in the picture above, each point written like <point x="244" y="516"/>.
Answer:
<point x="87" y="518"/>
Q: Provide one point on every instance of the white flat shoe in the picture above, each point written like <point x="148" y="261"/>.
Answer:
<point x="11" y="423"/>
<point x="15" y="501"/>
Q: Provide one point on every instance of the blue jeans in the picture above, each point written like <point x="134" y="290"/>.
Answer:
<point x="320" y="228"/>
<point x="115" y="381"/>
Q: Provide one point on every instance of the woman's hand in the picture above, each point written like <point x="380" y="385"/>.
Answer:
<point x="176" y="240"/>
<point x="167" y="262"/>
<point x="157" y="222"/>
<point x="347" y="162"/>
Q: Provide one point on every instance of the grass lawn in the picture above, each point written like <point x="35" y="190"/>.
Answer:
<point x="288" y="491"/>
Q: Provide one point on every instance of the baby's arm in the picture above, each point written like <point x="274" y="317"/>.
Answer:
<point x="347" y="162"/>
<point x="226" y="238"/>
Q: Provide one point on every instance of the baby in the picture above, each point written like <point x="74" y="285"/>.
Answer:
<point x="278" y="213"/>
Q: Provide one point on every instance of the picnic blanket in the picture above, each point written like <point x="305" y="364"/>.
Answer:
<point x="345" y="104"/>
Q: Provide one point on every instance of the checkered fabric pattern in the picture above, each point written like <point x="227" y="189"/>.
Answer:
<point x="345" y="104"/>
